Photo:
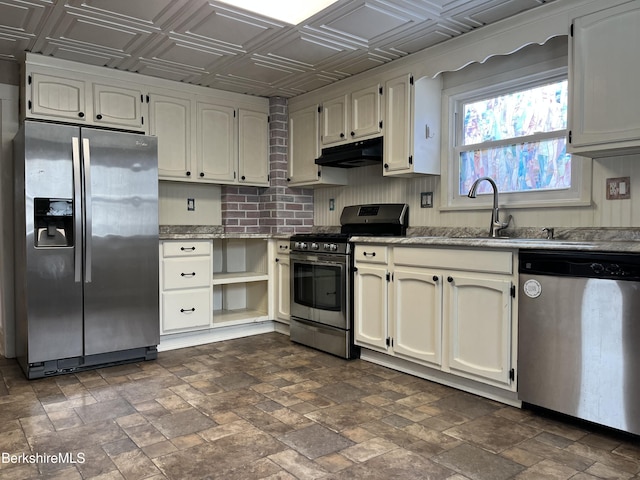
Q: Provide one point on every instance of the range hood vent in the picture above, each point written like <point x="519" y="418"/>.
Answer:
<point x="357" y="154"/>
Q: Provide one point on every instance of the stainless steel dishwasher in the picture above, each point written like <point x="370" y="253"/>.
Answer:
<point x="579" y="335"/>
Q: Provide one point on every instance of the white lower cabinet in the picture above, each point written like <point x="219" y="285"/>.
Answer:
<point x="417" y="313"/>
<point x="185" y="286"/>
<point x="281" y="281"/>
<point x="479" y="317"/>
<point x="451" y="310"/>
<point x="205" y="284"/>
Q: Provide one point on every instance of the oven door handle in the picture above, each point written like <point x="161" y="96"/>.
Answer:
<point x="317" y="260"/>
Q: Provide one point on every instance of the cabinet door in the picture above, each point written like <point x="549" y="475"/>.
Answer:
<point x="365" y="112"/>
<point x="334" y="120"/>
<point x="114" y="105"/>
<point x="253" y="158"/>
<point x="370" y="307"/>
<point x="303" y="145"/>
<point x="58" y="97"/>
<point x="186" y="310"/>
<point x="398" y="129"/>
<point x="479" y="316"/>
<point x="216" y="141"/>
<point x="417" y="315"/>
<point x="283" y="287"/>
<point x="604" y="99"/>
<point x="170" y="120"/>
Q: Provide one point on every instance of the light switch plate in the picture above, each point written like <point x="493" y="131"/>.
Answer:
<point x="191" y="204"/>
<point x="426" y="200"/>
<point x="618" y="188"/>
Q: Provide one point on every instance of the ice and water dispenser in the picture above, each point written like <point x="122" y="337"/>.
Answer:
<point x="53" y="222"/>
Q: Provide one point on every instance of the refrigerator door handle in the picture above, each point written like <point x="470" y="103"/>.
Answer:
<point x="77" y="209"/>
<point x="86" y="156"/>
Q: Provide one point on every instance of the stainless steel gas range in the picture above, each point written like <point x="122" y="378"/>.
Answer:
<point x="322" y="276"/>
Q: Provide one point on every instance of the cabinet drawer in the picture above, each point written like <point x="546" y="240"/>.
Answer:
<point x="282" y="247"/>
<point x="490" y="261"/>
<point x="186" y="310"/>
<point x="185" y="248"/>
<point x="186" y="273"/>
<point x="371" y="253"/>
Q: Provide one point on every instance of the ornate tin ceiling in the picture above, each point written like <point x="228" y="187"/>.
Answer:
<point x="209" y="43"/>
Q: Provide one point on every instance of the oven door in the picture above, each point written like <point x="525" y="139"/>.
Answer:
<point x="320" y="288"/>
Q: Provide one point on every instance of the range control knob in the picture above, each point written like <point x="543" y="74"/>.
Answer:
<point x="597" y="267"/>
<point x="315" y="246"/>
<point x="333" y="247"/>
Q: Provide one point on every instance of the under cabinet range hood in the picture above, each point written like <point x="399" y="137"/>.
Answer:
<point x="357" y="154"/>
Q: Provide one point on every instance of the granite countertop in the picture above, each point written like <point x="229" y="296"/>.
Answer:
<point x="578" y="239"/>
<point x="208" y="232"/>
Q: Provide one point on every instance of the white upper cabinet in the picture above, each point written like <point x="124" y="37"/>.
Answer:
<point x="55" y="96"/>
<point x="412" y="130"/>
<point x="604" y="61"/>
<point x="204" y="135"/>
<point x="365" y="112"/>
<point x="216" y="140"/>
<point x="170" y="119"/>
<point x="253" y="156"/>
<point x="304" y="148"/>
<point x="118" y="105"/>
<point x="352" y="116"/>
<point x="334" y="120"/>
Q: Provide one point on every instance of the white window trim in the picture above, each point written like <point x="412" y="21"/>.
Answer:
<point x="581" y="168"/>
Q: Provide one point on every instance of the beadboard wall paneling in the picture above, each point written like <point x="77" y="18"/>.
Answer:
<point x="172" y="204"/>
<point x="367" y="185"/>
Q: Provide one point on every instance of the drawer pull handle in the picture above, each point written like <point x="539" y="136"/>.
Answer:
<point x="188" y="248"/>
<point x="182" y="310"/>
<point x="367" y="254"/>
<point x="283" y="247"/>
<point x="188" y="274"/>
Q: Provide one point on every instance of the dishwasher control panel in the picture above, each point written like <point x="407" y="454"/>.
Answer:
<point x="619" y="266"/>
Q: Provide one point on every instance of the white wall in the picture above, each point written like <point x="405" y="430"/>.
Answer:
<point x="366" y="185"/>
<point x="9" y="127"/>
<point x="173" y="204"/>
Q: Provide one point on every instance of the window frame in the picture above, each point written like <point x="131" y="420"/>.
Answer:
<point x="453" y="100"/>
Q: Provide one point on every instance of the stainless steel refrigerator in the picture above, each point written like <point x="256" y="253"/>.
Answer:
<point x="86" y="248"/>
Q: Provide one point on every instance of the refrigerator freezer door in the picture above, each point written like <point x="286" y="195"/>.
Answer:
<point x="48" y="299"/>
<point x="121" y="272"/>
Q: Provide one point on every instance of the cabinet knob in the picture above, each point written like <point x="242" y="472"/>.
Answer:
<point x="435" y="278"/>
<point x="99" y="116"/>
<point x="243" y="177"/>
<point x="202" y="174"/>
<point x="81" y="114"/>
<point x="288" y="179"/>
<point x="188" y="173"/>
<point x="342" y="135"/>
<point x="277" y="259"/>
<point x="386" y="165"/>
<point x="353" y="134"/>
<point x="450" y="279"/>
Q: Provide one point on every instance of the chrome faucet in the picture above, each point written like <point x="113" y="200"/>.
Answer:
<point x="496" y="225"/>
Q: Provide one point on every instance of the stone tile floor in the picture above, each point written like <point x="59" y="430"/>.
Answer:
<point x="264" y="408"/>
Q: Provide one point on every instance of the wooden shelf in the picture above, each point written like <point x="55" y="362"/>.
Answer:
<point x="238" y="277"/>
<point x="243" y="315"/>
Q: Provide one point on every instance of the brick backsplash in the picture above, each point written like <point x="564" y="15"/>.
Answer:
<point x="277" y="208"/>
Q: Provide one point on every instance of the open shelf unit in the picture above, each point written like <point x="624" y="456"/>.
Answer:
<point x="240" y="281"/>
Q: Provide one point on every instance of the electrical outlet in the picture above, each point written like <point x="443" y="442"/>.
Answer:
<point x="426" y="200"/>
<point x="618" y="188"/>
